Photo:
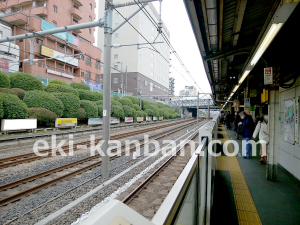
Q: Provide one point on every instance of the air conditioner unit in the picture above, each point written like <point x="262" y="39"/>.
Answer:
<point x="83" y="81"/>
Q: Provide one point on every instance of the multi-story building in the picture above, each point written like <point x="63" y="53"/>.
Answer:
<point x="147" y="68"/>
<point x="69" y="56"/>
<point x="188" y="91"/>
<point x="171" y="86"/>
<point x="9" y="52"/>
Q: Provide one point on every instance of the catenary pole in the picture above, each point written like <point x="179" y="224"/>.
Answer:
<point x="198" y="109"/>
<point x="106" y="87"/>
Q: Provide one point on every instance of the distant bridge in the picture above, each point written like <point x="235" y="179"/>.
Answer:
<point x="192" y="103"/>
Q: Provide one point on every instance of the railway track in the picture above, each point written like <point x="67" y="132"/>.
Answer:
<point x="148" y="195"/>
<point x="39" y="181"/>
<point x="29" y="157"/>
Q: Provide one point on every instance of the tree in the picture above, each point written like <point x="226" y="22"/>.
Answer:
<point x="25" y="81"/>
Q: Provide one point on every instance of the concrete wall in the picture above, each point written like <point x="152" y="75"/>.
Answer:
<point x="288" y="154"/>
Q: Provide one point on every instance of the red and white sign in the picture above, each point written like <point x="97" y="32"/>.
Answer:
<point x="113" y="120"/>
<point x="128" y="119"/>
<point x="268" y="75"/>
<point x="4" y="64"/>
<point x="148" y="118"/>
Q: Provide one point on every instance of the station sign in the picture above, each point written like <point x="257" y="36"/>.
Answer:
<point x="65" y="122"/>
<point x="18" y="124"/>
<point x="155" y="118"/>
<point x="268" y="75"/>
<point x="161" y="118"/>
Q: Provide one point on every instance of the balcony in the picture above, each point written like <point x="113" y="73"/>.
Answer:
<point x="76" y="14"/>
<point x="11" y="3"/>
<point x="78" y="3"/>
<point x="18" y="19"/>
<point x="40" y="11"/>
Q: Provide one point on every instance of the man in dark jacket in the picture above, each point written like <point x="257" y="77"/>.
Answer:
<point x="236" y="126"/>
<point x="248" y="125"/>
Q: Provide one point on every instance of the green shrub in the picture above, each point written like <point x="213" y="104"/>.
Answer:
<point x="81" y="114"/>
<point x="116" y="103"/>
<point x="80" y="86"/>
<point x="25" y="81"/>
<point x="43" y="116"/>
<point x="117" y="112"/>
<point x="1" y="108"/>
<point x="126" y="101"/>
<point x="71" y="104"/>
<point x="137" y="107"/>
<point x="20" y="92"/>
<point x="134" y="100"/>
<point x="8" y="91"/>
<point x="161" y="112"/>
<point x="100" y="102"/>
<point x="13" y="107"/>
<point x="116" y="97"/>
<point x="129" y="112"/>
<point x="61" y="88"/>
<point x="90" y="95"/>
<point x="58" y="82"/>
<point x="139" y="114"/>
<point x="149" y="112"/>
<point x="35" y="99"/>
<point x="100" y="111"/>
<point x="153" y="108"/>
<point x="90" y="108"/>
<point x="4" y="80"/>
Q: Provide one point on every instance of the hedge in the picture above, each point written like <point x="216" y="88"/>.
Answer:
<point x="116" y="103"/>
<point x="90" y="108"/>
<point x="139" y="114"/>
<point x="81" y="114"/>
<point x="58" y="82"/>
<point x="134" y="100"/>
<point x="100" y="110"/>
<point x="71" y="104"/>
<point x="117" y="112"/>
<point x="137" y="107"/>
<point x="126" y="101"/>
<point x="80" y="86"/>
<point x="43" y="116"/>
<point x="13" y="107"/>
<point x="20" y="92"/>
<point x="61" y="88"/>
<point x="4" y="80"/>
<point x="129" y="112"/>
<point x="89" y="95"/>
<point x="100" y="102"/>
<point x="8" y="91"/>
<point x="35" y="99"/>
<point x="25" y="81"/>
<point x="1" y="108"/>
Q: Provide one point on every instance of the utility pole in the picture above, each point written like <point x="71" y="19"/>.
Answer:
<point x="198" y="109"/>
<point x="106" y="86"/>
<point x="141" y="91"/>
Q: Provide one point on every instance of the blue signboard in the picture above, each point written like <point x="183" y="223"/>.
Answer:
<point x="93" y="85"/>
<point x="64" y="35"/>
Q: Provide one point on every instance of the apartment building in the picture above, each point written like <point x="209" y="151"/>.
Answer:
<point x="147" y="68"/>
<point x="69" y="56"/>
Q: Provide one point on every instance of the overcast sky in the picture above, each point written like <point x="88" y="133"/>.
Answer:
<point x="183" y="40"/>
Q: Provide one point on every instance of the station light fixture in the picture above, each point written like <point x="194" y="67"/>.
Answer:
<point x="266" y="42"/>
<point x="245" y="74"/>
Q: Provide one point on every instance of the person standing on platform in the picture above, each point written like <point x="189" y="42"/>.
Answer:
<point x="263" y="130"/>
<point x="248" y="128"/>
<point x="236" y="121"/>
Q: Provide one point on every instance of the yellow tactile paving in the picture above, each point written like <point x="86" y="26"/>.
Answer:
<point x="246" y="210"/>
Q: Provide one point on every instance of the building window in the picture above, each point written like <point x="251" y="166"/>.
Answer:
<point x="90" y="30"/>
<point x="61" y="66"/>
<point x="75" y="21"/>
<point x="55" y="9"/>
<point x="153" y="29"/>
<point x="91" y="6"/>
<point x="88" y="76"/>
<point x="90" y="18"/>
<point x="116" y="56"/>
<point x="152" y="65"/>
<point x="146" y="83"/>
<point x="116" y="67"/>
<point x="98" y="66"/>
<point x="141" y="24"/>
<point x="152" y="56"/>
<point x="151" y="86"/>
<point x="151" y="74"/>
<point x="116" y="24"/>
<point x="88" y="60"/>
<point x="62" y="46"/>
<point x="116" y="35"/>
<point x="54" y="23"/>
<point x="98" y="79"/>
<point x="82" y="74"/>
<point x="117" y="14"/>
<point x="116" y="80"/>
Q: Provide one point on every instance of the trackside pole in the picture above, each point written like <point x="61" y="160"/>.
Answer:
<point x="106" y="86"/>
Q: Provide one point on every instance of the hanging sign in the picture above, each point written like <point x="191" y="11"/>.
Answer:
<point x="268" y="75"/>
